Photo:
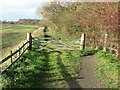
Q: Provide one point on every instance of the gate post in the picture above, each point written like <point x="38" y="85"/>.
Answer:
<point x="82" y="43"/>
<point x="29" y="38"/>
<point x="105" y="42"/>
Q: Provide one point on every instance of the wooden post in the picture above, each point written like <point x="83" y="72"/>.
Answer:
<point x="111" y="48"/>
<point x="19" y="52"/>
<point x="82" y="43"/>
<point x="29" y="38"/>
<point x="23" y="47"/>
<point x="11" y="57"/>
<point x="105" y="42"/>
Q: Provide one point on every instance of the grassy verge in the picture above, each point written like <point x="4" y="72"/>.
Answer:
<point x="107" y="69"/>
<point x="15" y="33"/>
<point x="45" y="69"/>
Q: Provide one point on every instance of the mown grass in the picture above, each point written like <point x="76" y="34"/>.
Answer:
<point x="107" y="69"/>
<point x="43" y="69"/>
<point x="15" y="33"/>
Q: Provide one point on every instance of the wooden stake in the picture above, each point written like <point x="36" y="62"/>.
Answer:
<point x="82" y="43"/>
<point x="29" y="38"/>
<point x="23" y="47"/>
<point x="19" y="52"/>
<point x="11" y="57"/>
<point x="105" y="42"/>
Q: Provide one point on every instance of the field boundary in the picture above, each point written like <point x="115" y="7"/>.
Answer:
<point x="18" y="52"/>
<point x="28" y="46"/>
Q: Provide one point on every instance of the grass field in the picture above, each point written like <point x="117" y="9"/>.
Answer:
<point x="43" y="69"/>
<point x="12" y="34"/>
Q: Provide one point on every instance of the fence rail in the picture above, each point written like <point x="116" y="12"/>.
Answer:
<point x="2" y="61"/>
<point x="36" y="42"/>
<point x="30" y="41"/>
<point x="23" y="48"/>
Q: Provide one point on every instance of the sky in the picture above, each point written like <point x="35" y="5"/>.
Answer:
<point x="13" y="10"/>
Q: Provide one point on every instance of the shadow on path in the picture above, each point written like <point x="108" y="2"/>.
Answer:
<point x="72" y="83"/>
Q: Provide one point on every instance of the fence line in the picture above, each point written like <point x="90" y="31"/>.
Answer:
<point x="28" y="45"/>
<point x="31" y="39"/>
<point x="17" y="52"/>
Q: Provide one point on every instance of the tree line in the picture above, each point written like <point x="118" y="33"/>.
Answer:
<point x="95" y="19"/>
<point x="22" y="21"/>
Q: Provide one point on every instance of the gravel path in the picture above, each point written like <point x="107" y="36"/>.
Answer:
<point x="88" y="73"/>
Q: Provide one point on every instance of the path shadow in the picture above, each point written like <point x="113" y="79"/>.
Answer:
<point x="71" y="82"/>
<point x="89" y="53"/>
<point x="45" y="33"/>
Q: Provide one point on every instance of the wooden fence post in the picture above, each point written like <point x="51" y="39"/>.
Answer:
<point x="11" y="57"/>
<point x="105" y="42"/>
<point x="82" y="43"/>
<point x="19" y="51"/>
<point x="29" y="38"/>
<point x="23" y="47"/>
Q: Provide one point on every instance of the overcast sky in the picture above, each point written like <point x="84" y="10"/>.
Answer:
<point x="16" y="9"/>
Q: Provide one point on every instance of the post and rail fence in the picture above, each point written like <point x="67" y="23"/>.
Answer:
<point x="28" y="46"/>
<point x="11" y="58"/>
<point x="21" y="50"/>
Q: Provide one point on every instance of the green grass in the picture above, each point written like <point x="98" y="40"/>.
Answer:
<point x="107" y="69"/>
<point x="15" y="33"/>
<point x="57" y="35"/>
<point x="5" y="26"/>
<point x="49" y="69"/>
<point x="40" y="68"/>
<point x="54" y="68"/>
